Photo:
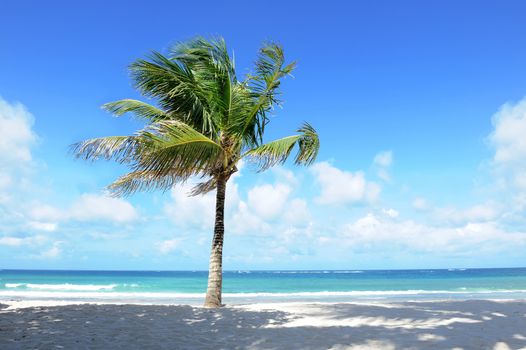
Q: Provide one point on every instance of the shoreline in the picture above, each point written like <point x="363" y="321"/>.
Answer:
<point x="384" y="325"/>
<point x="198" y="299"/>
<point x="14" y="304"/>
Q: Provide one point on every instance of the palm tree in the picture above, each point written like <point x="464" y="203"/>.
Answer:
<point x="204" y="122"/>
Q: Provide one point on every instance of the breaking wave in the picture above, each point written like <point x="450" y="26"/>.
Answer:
<point x="62" y="287"/>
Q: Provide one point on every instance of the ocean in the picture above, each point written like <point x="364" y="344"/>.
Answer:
<point x="239" y="287"/>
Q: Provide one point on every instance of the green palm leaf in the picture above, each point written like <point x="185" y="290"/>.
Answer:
<point x="142" y="180"/>
<point x="278" y="151"/>
<point x="178" y="90"/>
<point x="141" y="110"/>
<point x="264" y="88"/>
<point x="176" y="148"/>
<point x="122" y="149"/>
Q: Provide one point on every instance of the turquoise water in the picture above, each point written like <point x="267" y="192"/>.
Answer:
<point x="264" y="286"/>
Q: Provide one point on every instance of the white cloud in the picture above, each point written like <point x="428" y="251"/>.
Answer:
<point x="384" y="159"/>
<point x="11" y="241"/>
<point x="168" y="246"/>
<point x="384" y="175"/>
<point x="509" y="161"/>
<point x="5" y="181"/>
<point x="45" y="212"/>
<point x="391" y="213"/>
<point x="34" y="242"/>
<point x="244" y="221"/>
<point x="88" y="207"/>
<point x="507" y="187"/>
<point x="285" y="175"/>
<point x="372" y="231"/>
<point x="52" y="253"/>
<point x="509" y="133"/>
<point x="112" y="235"/>
<point x="382" y="162"/>
<point x="16" y="184"/>
<point x="267" y="200"/>
<point x="185" y="210"/>
<point x="100" y="207"/>
<point x="268" y="210"/>
<point x="420" y="204"/>
<point x="341" y="187"/>
<point x="509" y="141"/>
<point x="22" y="241"/>
<point x="20" y="190"/>
<point x="17" y="135"/>
<point x="297" y="212"/>
<point x="16" y="140"/>
<point x="43" y="226"/>
<point x="520" y="181"/>
<point x="477" y="213"/>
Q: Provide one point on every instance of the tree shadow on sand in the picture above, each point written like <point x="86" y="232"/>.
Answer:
<point x="418" y="325"/>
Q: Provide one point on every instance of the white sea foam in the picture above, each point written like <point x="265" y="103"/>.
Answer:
<point x="348" y="271"/>
<point x="64" y="286"/>
<point x="365" y="293"/>
<point x="96" y="295"/>
<point x="316" y="272"/>
<point x="81" y="295"/>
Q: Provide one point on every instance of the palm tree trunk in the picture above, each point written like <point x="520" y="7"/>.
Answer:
<point x="215" y="270"/>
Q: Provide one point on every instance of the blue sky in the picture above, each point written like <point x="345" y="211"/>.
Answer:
<point x="420" y="107"/>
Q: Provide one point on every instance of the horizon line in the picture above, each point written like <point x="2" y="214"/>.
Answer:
<point x="273" y="270"/>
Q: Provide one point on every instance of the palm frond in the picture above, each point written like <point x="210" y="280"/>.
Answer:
<point x="142" y="180"/>
<point x="204" y="187"/>
<point x="209" y="61"/>
<point x="211" y="53"/>
<point x="175" y="148"/>
<point x="141" y="110"/>
<point x="309" y="145"/>
<point x="263" y="86"/>
<point x="278" y="151"/>
<point x="119" y="148"/>
<point x="178" y="90"/>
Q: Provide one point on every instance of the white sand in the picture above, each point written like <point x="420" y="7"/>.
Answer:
<point x="475" y="324"/>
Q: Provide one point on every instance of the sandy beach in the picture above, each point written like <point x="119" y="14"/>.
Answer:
<point x="472" y="324"/>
